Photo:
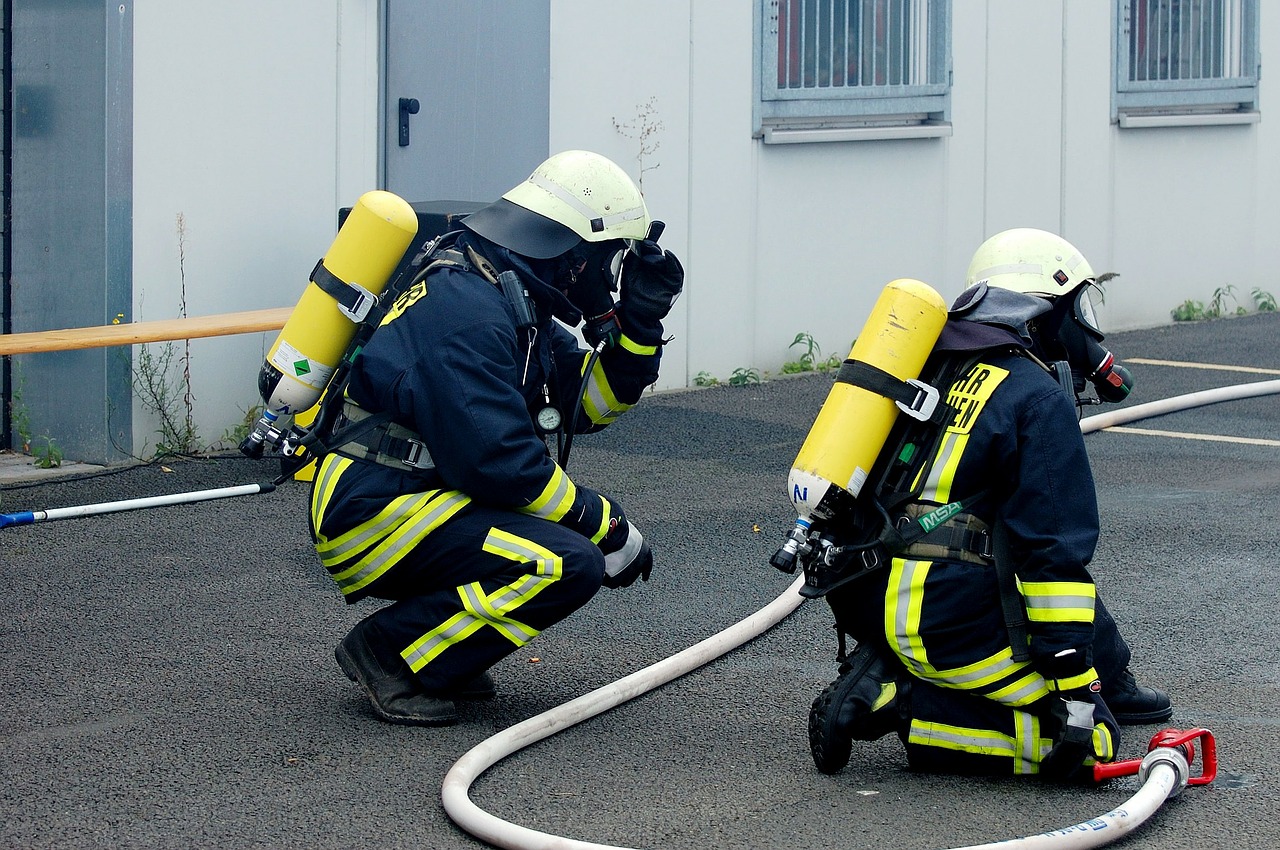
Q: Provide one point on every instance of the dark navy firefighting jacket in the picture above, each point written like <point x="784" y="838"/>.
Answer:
<point x="449" y="363"/>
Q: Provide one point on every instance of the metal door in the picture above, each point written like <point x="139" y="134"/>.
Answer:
<point x="466" y="97"/>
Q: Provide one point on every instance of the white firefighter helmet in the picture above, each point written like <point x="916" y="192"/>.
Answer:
<point x="571" y="197"/>
<point x="1032" y="261"/>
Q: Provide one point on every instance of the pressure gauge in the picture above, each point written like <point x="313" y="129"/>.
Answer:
<point x="548" y="419"/>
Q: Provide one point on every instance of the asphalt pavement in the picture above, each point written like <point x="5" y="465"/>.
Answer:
<point x="169" y="682"/>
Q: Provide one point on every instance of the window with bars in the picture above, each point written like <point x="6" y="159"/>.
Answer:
<point x="827" y="66"/>
<point x="1194" y="59"/>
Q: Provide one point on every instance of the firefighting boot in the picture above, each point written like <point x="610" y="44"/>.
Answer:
<point x="864" y="703"/>
<point x="1134" y="705"/>
<point x="394" y="692"/>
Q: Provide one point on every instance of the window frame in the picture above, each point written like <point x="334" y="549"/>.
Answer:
<point x="849" y="113"/>
<point x="1188" y="101"/>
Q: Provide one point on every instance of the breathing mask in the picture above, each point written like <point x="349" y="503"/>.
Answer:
<point x="588" y="276"/>
<point x="1070" y="332"/>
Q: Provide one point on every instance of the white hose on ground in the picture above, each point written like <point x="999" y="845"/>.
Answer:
<point x="1163" y="773"/>
<point x="1159" y="782"/>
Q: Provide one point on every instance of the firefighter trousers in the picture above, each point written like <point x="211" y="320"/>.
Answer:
<point x="478" y="588"/>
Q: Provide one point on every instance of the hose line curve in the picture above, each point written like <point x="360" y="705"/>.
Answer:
<point x="1160" y="783"/>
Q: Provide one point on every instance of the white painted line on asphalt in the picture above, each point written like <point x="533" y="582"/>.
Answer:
<point x="1251" y="369"/>
<point x="1214" y="438"/>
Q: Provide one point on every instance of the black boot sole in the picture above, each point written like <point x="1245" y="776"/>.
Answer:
<point x="829" y="746"/>
<point x="353" y="672"/>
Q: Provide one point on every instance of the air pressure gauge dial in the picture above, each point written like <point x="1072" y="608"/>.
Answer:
<point x="548" y="419"/>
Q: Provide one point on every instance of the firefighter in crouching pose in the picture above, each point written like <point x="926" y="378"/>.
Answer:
<point x="452" y="507"/>
<point x="984" y="644"/>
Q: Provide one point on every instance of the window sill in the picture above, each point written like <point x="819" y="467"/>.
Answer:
<point x="1201" y="119"/>
<point x="783" y="136"/>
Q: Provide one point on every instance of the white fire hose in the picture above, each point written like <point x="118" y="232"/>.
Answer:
<point x="1164" y="771"/>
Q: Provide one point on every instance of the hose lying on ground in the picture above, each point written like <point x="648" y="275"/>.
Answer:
<point x="1160" y="782"/>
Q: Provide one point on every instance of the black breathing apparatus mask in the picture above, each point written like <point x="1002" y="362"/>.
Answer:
<point x="1070" y="332"/>
<point x="588" y="275"/>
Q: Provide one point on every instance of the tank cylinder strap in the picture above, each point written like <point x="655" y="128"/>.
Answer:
<point x="354" y="300"/>
<point x="914" y="398"/>
<point x="386" y="443"/>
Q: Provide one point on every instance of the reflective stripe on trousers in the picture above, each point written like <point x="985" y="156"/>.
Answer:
<point x="492" y="609"/>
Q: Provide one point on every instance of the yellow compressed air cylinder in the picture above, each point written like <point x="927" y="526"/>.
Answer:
<point x="366" y="251"/>
<point x="853" y="424"/>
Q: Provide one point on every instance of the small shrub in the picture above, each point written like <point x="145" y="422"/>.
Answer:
<point x="1189" y="311"/>
<point x="48" y="455"/>
<point x="705" y="379"/>
<point x="744" y="375"/>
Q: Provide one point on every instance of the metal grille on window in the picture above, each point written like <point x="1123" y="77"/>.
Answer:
<point x="852" y="43"/>
<point x="1185" y="39"/>
<point x="1193" y="60"/>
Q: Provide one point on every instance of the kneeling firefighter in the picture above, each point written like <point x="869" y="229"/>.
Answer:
<point x="438" y="491"/>
<point x="980" y="637"/>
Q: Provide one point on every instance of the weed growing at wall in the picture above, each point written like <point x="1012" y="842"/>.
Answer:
<point x="811" y="359"/>
<point x="644" y="129"/>
<point x="43" y="448"/>
<point x="162" y="378"/>
<point x="1223" y="302"/>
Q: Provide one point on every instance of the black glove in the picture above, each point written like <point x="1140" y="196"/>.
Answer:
<point x="1072" y="718"/>
<point x="652" y="280"/>
<point x="626" y="554"/>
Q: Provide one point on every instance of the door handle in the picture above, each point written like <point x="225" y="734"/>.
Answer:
<point x="408" y="106"/>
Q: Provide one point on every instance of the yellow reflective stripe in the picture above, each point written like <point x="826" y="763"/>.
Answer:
<point x="331" y="467"/>
<point x="942" y="472"/>
<point x="1021" y="691"/>
<point x="983" y="742"/>
<point x="634" y="347"/>
<point x="334" y="552"/>
<point x="888" y="692"/>
<point x="1071" y="683"/>
<point x="1018" y="684"/>
<point x="599" y="402"/>
<point x="1104" y="746"/>
<point x="903" y="599"/>
<point x="604" y="521"/>
<point x="556" y="498"/>
<point x="480" y="609"/>
<point x="1059" y="601"/>
<point x="1027" y="741"/>
<point x="967" y="396"/>
<point x="401" y="541"/>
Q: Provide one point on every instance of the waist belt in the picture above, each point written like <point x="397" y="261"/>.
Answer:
<point x="963" y="537"/>
<point x="386" y="443"/>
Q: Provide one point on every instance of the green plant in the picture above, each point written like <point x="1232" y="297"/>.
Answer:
<point x="1218" y="302"/>
<point x="811" y="358"/>
<point x="160" y="391"/>
<point x="19" y="415"/>
<point x="1263" y="300"/>
<point x="744" y="375"/>
<point x="236" y="434"/>
<point x="48" y="456"/>
<point x="705" y="379"/>
<point x="1189" y="311"/>
<point x="168" y="398"/>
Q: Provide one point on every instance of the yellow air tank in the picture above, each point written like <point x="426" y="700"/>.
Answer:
<point x="853" y="423"/>
<point x="366" y="251"/>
